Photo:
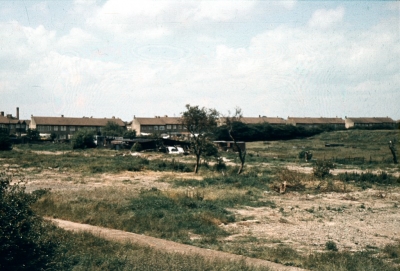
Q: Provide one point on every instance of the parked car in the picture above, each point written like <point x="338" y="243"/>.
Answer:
<point x="175" y="150"/>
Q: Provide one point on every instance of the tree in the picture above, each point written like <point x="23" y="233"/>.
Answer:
<point x="393" y="150"/>
<point x="131" y="134"/>
<point x="83" y="139"/>
<point x="33" y="134"/>
<point x="230" y="123"/>
<point x="25" y="243"/>
<point x="200" y="123"/>
<point x="112" y="129"/>
<point x="5" y="142"/>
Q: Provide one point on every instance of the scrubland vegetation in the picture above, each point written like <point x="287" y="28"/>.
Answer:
<point x="194" y="210"/>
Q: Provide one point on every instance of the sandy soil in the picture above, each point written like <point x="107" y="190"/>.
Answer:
<point x="354" y="220"/>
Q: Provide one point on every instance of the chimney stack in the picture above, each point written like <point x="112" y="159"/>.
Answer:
<point x="17" y="113"/>
<point x="2" y="113"/>
<point x="62" y="116"/>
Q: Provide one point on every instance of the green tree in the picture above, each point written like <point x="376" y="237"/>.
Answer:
<point x="33" y="134"/>
<point x="24" y="242"/>
<point x="5" y="142"/>
<point x="131" y="134"/>
<point x="233" y="134"/>
<point x="83" y="139"/>
<point x="200" y="123"/>
<point x="112" y="129"/>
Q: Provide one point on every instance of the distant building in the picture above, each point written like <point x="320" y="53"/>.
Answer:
<point x="337" y="123"/>
<point x="370" y="122"/>
<point x="170" y="126"/>
<point x="13" y="125"/>
<point x="257" y="120"/>
<point x="64" y="127"/>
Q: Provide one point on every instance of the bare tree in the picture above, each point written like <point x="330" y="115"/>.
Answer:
<point x="230" y="124"/>
<point x="393" y="150"/>
<point x="200" y="123"/>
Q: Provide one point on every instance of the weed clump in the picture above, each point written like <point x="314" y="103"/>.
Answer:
<point x="330" y="245"/>
<point x="367" y="179"/>
<point x="322" y="169"/>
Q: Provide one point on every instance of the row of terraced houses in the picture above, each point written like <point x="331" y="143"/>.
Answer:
<point x="65" y="127"/>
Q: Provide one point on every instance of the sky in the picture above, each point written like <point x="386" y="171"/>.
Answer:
<point x="127" y="58"/>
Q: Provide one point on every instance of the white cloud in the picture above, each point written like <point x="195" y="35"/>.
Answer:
<point x="222" y="10"/>
<point x="323" y="18"/>
<point x="76" y="38"/>
<point x="161" y="18"/>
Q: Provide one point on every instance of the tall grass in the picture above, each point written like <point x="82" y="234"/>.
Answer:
<point x="84" y="251"/>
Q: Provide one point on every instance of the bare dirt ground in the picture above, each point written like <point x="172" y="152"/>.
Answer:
<point x="354" y="221"/>
<point x="164" y="245"/>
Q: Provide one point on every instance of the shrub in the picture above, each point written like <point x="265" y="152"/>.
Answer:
<point x="5" y="142"/>
<point x="306" y="155"/>
<point x="322" y="168"/>
<point x="137" y="147"/>
<point x="83" y="139"/>
<point x="24" y="242"/>
<point x="130" y="134"/>
<point x="330" y="245"/>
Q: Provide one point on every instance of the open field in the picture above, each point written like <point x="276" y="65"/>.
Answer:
<point x="340" y="222"/>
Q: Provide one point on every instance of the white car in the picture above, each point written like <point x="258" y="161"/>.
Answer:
<point x="175" y="150"/>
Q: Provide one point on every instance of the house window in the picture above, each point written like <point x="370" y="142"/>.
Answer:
<point x="12" y="126"/>
<point x="174" y="127"/>
<point x="63" y="128"/>
<point x="55" y="128"/>
<point x="63" y="136"/>
<point x="72" y="128"/>
<point x="168" y="127"/>
<point x="179" y="127"/>
<point x="156" y="128"/>
<point x="40" y="128"/>
<point x="162" y="128"/>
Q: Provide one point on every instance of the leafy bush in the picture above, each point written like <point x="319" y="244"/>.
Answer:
<point x="330" y="245"/>
<point x="33" y="134"/>
<point x="24" y="242"/>
<point x="322" y="168"/>
<point x="137" y="147"/>
<point x="5" y="142"/>
<point x="307" y="155"/>
<point x="83" y="139"/>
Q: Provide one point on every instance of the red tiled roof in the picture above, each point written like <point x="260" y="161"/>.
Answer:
<point x="372" y="120"/>
<point x="256" y="120"/>
<point x="75" y="121"/>
<point x="158" y="120"/>
<point x="6" y="120"/>
<point x="316" y="120"/>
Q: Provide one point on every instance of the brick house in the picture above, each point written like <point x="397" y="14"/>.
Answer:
<point x="337" y="123"/>
<point x="171" y="126"/>
<point x="13" y="125"/>
<point x="369" y="122"/>
<point x="64" y="127"/>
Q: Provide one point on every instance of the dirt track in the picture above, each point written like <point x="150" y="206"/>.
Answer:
<point x="164" y="245"/>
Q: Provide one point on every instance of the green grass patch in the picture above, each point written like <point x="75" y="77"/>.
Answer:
<point x="366" y="180"/>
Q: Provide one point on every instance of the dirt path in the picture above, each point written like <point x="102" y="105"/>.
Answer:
<point x="164" y="245"/>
